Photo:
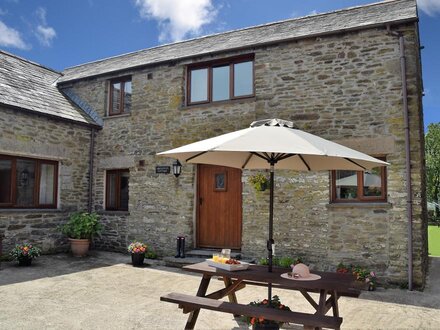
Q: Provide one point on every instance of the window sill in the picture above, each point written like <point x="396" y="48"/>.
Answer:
<point x="379" y="205"/>
<point x="117" y="116"/>
<point x="214" y="104"/>
<point x="31" y="211"/>
<point x="108" y="212"/>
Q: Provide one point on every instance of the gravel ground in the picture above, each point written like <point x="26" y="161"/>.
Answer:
<point x="103" y="291"/>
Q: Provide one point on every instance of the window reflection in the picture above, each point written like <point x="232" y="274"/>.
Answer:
<point x="199" y="85"/>
<point x="373" y="182"/>
<point x="243" y="79"/>
<point x="220" y="83"/>
<point x="5" y="180"/>
<point x="127" y="96"/>
<point x="116" y="97"/>
<point x="346" y="184"/>
<point x="25" y="182"/>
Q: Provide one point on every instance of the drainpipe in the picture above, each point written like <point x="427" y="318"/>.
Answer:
<point x="91" y="154"/>
<point x="407" y="153"/>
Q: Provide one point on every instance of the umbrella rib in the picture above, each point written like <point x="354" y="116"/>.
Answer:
<point x="305" y="163"/>
<point x="285" y="156"/>
<point x="247" y="160"/>
<point x="262" y="157"/>
<point x="195" y="156"/>
<point x="352" y="161"/>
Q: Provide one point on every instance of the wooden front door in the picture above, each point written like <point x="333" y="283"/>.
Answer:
<point x="219" y="207"/>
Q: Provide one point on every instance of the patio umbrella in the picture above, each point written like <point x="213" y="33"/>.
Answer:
<point x="273" y="144"/>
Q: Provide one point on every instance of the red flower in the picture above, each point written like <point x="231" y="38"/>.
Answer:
<point x="253" y="320"/>
<point x="264" y="302"/>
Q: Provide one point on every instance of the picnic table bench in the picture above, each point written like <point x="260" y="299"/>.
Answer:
<point x="330" y="288"/>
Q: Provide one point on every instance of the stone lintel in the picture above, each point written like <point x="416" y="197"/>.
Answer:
<point x="372" y="146"/>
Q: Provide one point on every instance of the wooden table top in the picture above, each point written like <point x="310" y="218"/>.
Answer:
<point x="343" y="283"/>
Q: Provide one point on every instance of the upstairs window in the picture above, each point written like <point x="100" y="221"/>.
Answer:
<point x="359" y="186"/>
<point x="221" y="80"/>
<point x="117" y="190"/>
<point x="28" y="183"/>
<point x="120" y="96"/>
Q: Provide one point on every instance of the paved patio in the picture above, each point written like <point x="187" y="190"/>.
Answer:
<point x="103" y="291"/>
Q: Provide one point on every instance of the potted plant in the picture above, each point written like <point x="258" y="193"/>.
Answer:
<point x="259" y="181"/>
<point x="261" y="323"/>
<point x="362" y="275"/>
<point x="80" y="229"/>
<point x="25" y="253"/>
<point x="137" y="250"/>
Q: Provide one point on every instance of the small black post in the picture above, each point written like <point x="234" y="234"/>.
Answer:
<point x="182" y="246"/>
<point x="178" y="240"/>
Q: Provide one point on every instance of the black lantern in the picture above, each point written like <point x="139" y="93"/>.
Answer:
<point x="177" y="168"/>
<point x="24" y="177"/>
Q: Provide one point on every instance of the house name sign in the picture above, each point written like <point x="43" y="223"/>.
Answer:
<point x="163" y="169"/>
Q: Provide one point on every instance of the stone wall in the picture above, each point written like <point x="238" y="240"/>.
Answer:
<point x="34" y="136"/>
<point x="343" y="87"/>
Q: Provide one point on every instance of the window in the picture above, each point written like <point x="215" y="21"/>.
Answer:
<point x="117" y="190"/>
<point x="359" y="186"/>
<point x="28" y="183"/>
<point x="120" y="96"/>
<point x="220" y="81"/>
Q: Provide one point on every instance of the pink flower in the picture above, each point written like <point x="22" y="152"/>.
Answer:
<point x="373" y="274"/>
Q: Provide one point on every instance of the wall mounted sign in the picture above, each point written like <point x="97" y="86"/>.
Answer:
<point x="163" y="169"/>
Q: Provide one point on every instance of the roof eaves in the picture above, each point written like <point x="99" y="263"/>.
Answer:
<point x="260" y="44"/>
<point x="47" y="115"/>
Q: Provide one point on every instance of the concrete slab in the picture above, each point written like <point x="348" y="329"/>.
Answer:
<point x="104" y="291"/>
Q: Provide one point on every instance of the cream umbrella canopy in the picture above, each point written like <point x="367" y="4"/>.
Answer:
<point x="273" y="144"/>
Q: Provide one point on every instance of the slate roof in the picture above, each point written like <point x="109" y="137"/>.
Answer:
<point x="355" y="18"/>
<point x="29" y="86"/>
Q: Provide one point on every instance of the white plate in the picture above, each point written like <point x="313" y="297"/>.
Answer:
<point x="232" y="268"/>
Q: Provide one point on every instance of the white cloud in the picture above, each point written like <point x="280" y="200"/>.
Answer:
<point x="10" y="37"/>
<point x="313" y="12"/>
<point x="178" y="18"/>
<point x="44" y="33"/>
<point x="429" y="7"/>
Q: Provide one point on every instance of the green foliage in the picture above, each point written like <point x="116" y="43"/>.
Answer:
<point x="285" y="262"/>
<point x="25" y="250"/>
<point x="150" y="254"/>
<point x="434" y="241"/>
<point x="259" y="181"/>
<point x="82" y="225"/>
<point x="432" y="154"/>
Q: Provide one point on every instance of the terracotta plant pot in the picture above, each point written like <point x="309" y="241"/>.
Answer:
<point x="79" y="247"/>
<point x="137" y="259"/>
<point x="24" y="261"/>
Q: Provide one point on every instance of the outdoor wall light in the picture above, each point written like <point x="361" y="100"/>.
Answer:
<point x="24" y="177"/>
<point x="177" y="168"/>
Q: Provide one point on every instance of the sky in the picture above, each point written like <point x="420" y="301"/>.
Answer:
<point x="61" y="34"/>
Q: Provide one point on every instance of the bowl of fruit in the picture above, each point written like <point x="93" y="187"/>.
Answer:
<point x="228" y="264"/>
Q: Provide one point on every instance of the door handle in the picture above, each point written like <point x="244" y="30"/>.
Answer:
<point x="200" y="201"/>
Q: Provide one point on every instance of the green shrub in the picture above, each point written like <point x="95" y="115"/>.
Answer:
<point x="281" y="261"/>
<point x="82" y="225"/>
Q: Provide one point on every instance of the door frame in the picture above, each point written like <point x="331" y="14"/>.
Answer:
<point x="197" y="210"/>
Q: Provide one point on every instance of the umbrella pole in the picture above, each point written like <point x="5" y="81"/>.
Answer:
<point x="270" y="241"/>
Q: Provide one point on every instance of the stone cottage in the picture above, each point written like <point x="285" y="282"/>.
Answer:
<point x="87" y="138"/>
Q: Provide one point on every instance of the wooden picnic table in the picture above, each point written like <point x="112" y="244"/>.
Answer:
<point x="330" y="288"/>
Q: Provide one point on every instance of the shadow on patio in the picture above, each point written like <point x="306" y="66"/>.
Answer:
<point x="58" y="265"/>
